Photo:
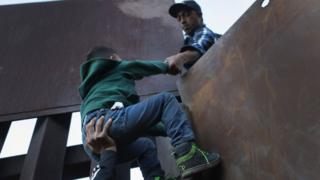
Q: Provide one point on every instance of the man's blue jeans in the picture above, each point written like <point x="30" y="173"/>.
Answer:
<point x="133" y="121"/>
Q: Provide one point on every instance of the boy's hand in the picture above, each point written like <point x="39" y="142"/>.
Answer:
<point x="173" y="65"/>
<point x="176" y="61"/>
<point x="97" y="136"/>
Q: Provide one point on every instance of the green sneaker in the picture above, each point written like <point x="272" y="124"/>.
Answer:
<point x="166" y="178"/>
<point x="158" y="178"/>
<point x="194" y="160"/>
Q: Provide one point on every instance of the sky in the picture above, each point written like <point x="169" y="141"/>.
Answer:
<point x="219" y="15"/>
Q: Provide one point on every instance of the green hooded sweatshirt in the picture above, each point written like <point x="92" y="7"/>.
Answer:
<point x="107" y="81"/>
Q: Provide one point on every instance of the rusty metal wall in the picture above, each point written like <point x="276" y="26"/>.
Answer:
<point x="254" y="97"/>
<point x="43" y="44"/>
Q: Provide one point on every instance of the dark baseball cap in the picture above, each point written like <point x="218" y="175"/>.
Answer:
<point x="184" y="5"/>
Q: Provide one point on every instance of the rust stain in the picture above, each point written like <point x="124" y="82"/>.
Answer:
<point x="269" y="85"/>
<point x="243" y="67"/>
<point x="230" y="131"/>
<point x="147" y="9"/>
<point x="204" y="97"/>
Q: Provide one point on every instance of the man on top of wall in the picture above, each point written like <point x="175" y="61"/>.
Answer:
<point x="197" y="37"/>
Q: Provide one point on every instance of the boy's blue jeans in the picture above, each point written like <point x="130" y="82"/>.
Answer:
<point x="132" y="122"/>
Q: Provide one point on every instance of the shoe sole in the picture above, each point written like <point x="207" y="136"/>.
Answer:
<point x="200" y="168"/>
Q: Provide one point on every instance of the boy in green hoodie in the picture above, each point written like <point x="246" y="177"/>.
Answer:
<point x="108" y="89"/>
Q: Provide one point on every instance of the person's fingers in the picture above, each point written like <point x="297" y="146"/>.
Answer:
<point x="106" y="126"/>
<point x="96" y="148"/>
<point x="174" y="70"/>
<point x="89" y="146"/>
<point x="90" y="140"/>
<point x="90" y="143"/>
<point x="99" y="124"/>
<point x="90" y="128"/>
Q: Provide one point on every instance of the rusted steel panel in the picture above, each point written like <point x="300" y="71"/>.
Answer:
<point x="10" y="168"/>
<point x="76" y="165"/>
<point x="254" y="97"/>
<point x="43" y="44"/>
<point x="4" y="128"/>
<point x="165" y="156"/>
<point x="47" y="148"/>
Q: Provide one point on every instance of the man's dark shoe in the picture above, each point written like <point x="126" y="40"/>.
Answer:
<point x="192" y="160"/>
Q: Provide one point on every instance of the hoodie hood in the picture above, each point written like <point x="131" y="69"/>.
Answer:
<point x="94" y="70"/>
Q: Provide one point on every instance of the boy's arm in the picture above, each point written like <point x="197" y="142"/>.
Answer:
<point x="178" y="60"/>
<point x="140" y="69"/>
